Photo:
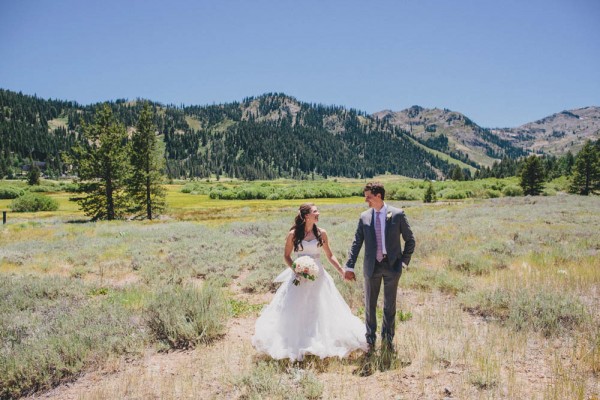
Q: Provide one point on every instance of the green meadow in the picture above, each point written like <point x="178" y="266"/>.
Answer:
<point x="500" y="300"/>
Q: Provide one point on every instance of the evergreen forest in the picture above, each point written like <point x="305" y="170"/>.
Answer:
<point x="266" y="137"/>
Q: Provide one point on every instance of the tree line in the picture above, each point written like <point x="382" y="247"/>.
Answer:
<point x="295" y="139"/>
<point x="266" y="137"/>
<point x="583" y="170"/>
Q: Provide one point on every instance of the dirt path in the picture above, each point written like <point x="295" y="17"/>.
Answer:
<point x="429" y="365"/>
<point x="174" y="374"/>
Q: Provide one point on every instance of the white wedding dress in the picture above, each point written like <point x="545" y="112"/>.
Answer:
<point x="311" y="318"/>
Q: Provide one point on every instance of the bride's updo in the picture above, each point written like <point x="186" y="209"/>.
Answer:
<point x="299" y="225"/>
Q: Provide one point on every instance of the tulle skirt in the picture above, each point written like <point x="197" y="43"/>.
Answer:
<point x="311" y="318"/>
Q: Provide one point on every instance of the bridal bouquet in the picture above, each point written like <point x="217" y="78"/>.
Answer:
<point x="305" y="267"/>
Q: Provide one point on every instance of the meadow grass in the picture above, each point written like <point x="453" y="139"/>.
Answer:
<point x="182" y="317"/>
<point x="53" y="328"/>
<point x="499" y="292"/>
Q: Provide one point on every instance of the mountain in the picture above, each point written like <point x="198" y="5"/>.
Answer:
<point x="558" y="133"/>
<point x="452" y="133"/>
<point x="275" y="135"/>
<point x="266" y="137"/>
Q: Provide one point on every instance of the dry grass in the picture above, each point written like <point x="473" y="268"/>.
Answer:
<point x="544" y="249"/>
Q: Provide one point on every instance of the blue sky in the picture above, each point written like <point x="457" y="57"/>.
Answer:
<point x="501" y="63"/>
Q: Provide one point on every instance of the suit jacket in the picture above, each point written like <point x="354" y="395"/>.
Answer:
<point x="396" y="225"/>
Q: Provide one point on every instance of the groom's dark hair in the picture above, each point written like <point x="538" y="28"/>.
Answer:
<point x="375" y="188"/>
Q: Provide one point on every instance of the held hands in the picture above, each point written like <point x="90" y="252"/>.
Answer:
<point x="349" y="276"/>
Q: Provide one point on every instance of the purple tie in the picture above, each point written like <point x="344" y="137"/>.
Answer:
<point x="379" y="255"/>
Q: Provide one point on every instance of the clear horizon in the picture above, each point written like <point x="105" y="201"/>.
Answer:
<point x="501" y="64"/>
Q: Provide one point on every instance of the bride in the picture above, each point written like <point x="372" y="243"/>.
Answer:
<point x="310" y="317"/>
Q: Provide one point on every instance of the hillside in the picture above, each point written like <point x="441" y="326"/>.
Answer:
<point x="558" y="133"/>
<point x="275" y="135"/>
<point x="452" y="133"/>
<point x="266" y="137"/>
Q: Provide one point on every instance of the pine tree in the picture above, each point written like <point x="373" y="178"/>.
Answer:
<point x="33" y="176"/>
<point x="430" y="195"/>
<point x="566" y="163"/>
<point x="532" y="176"/>
<point x="3" y="167"/>
<point x="144" y="185"/>
<point x="101" y="163"/>
<point x="457" y="174"/>
<point x="586" y="171"/>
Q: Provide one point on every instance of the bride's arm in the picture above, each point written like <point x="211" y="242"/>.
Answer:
<point x="289" y="247"/>
<point x="330" y="256"/>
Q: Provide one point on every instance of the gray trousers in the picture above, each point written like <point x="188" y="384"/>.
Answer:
<point x="382" y="273"/>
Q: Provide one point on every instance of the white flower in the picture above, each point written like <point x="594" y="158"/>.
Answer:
<point x="305" y="267"/>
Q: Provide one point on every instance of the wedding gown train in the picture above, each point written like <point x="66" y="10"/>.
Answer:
<point x="311" y="318"/>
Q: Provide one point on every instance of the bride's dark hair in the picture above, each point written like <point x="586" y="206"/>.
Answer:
<point x="299" y="225"/>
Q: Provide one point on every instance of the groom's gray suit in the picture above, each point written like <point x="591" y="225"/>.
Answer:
<point x="389" y="270"/>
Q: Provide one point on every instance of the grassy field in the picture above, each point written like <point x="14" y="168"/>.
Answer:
<point x="501" y="300"/>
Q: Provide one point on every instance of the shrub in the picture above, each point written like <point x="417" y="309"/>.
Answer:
<point x="10" y="192"/>
<point x="31" y="202"/>
<point x="452" y="194"/>
<point x="271" y="192"/>
<point x="223" y="194"/>
<point x="405" y="194"/>
<point x="51" y="332"/>
<point x="512" y="191"/>
<point x="185" y="316"/>
<point x="561" y="183"/>
<point x="471" y="263"/>
<point x="260" y="281"/>
<point x="215" y="193"/>
<point x="43" y="188"/>
<point x="196" y="188"/>
<point x="540" y="310"/>
<point x="263" y="381"/>
<point x="267" y="380"/>
<point x="70" y="187"/>
<point x="427" y="280"/>
<point x="490" y="194"/>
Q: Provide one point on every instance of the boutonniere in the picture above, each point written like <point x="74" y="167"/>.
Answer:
<point x="388" y="216"/>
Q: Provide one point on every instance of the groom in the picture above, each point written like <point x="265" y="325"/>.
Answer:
<point x="380" y="228"/>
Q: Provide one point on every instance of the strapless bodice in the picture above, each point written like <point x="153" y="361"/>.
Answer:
<point x="310" y="248"/>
